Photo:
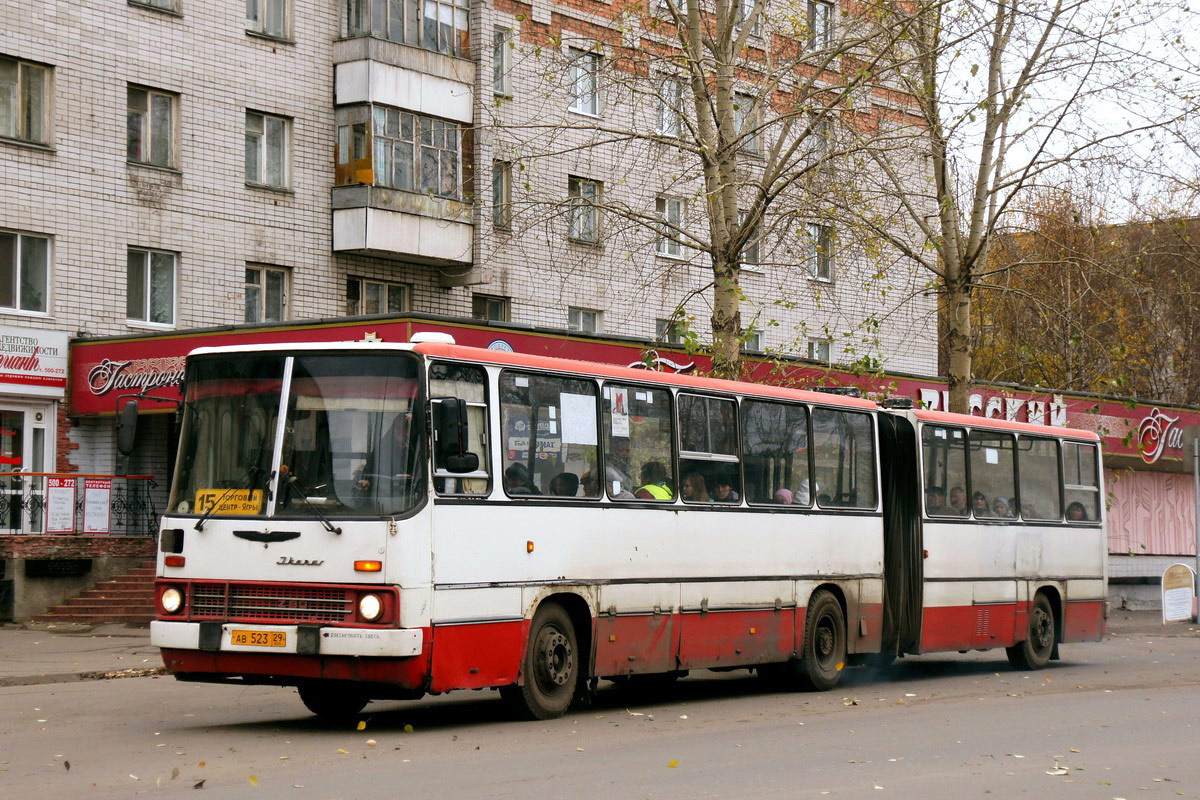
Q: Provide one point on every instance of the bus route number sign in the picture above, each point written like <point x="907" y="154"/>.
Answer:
<point x="240" y="501"/>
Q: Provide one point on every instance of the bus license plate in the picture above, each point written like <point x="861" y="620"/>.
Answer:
<point x="258" y="638"/>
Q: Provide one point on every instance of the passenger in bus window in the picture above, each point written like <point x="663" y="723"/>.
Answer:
<point x="958" y="501"/>
<point x="935" y="502"/>
<point x="783" y="497"/>
<point x="1000" y="507"/>
<point x="803" y="494"/>
<point x="564" y="484"/>
<point x="723" y="491"/>
<point x="516" y="480"/>
<point x="694" y="488"/>
<point x="1076" y="512"/>
<point x="979" y="505"/>
<point x="654" y="482"/>
<point x="616" y="462"/>
<point x="390" y="460"/>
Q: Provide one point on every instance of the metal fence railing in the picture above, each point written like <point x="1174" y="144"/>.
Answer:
<point x="68" y="502"/>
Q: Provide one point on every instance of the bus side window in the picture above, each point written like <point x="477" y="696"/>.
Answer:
<point x="775" y="454"/>
<point x="843" y="459"/>
<point x="550" y="429"/>
<point x="1081" y="481"/>
<point x="1037" y="466"/>
<point x="993" y="464"/>
<point x="708" y="452"/>
<point x="469" y="383"/>
<point x="944" y="461"/>
<point x="638" y="458"/>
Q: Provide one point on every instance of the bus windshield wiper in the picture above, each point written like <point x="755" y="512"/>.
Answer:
<point x="295" y="480"/>
<point x="245" y="482"/>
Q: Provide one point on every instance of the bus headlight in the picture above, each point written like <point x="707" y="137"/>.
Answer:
<point x="171" y="599"/>
<point x="370" y="607"/>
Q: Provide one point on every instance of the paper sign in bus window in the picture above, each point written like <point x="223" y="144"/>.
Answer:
<point x="620" y="412"/>
<point x="991" y="455"/>
<point x="578" y="418"/>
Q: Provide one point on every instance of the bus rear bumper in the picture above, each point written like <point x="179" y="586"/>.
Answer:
<point x="304" y="640"/>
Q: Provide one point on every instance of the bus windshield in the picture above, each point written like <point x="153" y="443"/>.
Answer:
<point x="351" y="443"/>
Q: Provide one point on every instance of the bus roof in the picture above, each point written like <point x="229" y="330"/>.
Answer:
<point x="1003" y="424"/>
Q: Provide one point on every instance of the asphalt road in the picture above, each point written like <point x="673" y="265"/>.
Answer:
<point x="1118" y="719"/>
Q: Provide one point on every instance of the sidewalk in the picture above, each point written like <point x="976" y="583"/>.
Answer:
<point x="64" y="653"/>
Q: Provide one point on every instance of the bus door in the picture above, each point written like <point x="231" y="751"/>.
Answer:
<point x="902" y="535"/>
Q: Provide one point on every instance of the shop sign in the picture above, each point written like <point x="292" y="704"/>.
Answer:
<point x="33" y="357"/>
<point x="1156" y="433"/>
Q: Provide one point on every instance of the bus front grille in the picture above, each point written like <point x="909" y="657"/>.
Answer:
<point x="270" y="602"/>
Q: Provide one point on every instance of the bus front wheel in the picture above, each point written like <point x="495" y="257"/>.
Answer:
<point x="824" y="655"/>
<point x="551" y="667"/>
<point x="331" y="702"/>
<point x="1035" y="651"/>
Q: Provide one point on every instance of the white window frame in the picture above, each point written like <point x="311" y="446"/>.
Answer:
<point x="502" y="194"/>
<point x="20" y="250"/>
<point x="670" y="107"/>
<point x="19" y="96"/>
<point x="584" y="320"/>
<point x="264" y="273"/>
<point x="158" y="5"/>
<point x="583" y="211"/>
<point x="148" y="127"/>
<point x="753" y="342"/>
<point x="819" y="252"/>
<point x="502" y="48"/>
<point x="260" y="148"/>
<point x="820" y="350"/>
<point x="667" y="331"/>
<point x="753" y="247"/>
<point x="273" y="14"/>
<point x="384" y="289"/>
<point x="816" y="142"/>
<point x="147" y="267"/>
<point x="746" y="118"/>
<point x="583" y="77"/>
<point x="389" y="143"/>
<point x="820" y="24"/>
<point x="672" y="211"/>
<point x="744" y="9"/>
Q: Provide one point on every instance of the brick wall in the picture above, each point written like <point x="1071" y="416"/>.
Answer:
<point x="65" y="546"/>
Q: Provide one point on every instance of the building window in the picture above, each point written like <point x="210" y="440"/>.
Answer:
<point x="746" y="122"/>
<point x="502" y="47"/>
<point x="267" y="17"/>
<point x="375" y="297"/>
<point x="671" y="211"/>
<point x="24" y="100"/>
<point x="267" y="149"/>
<point x="439" y="25"/>
<point x="161" y="5"/>
<point x="670" y="107"/>
<point x="150" y="124"/>
<point x="583" y="211"/>
<point x="583" y="320"/>
<point x="266" y="294"/>
<point x="584" y="77"/>
<point x="820" y="24"/>
<point x="752" y="341"/>
<point x="750" y="258"/>
<point x="818" y="350"/>
<point x="816" y="141"/>
<point x="668" y="331"/>
<point x="501" y="194"/>
<point x="492" y="309"/>
<point x="745" y="8"/>
<point x="24" y="271"/>
<point x="411" y="152"/>
<point x="150" y="286"/>
<point x="820" y="251"/>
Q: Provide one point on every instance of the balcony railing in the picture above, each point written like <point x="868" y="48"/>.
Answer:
<point x="57" y="502"/>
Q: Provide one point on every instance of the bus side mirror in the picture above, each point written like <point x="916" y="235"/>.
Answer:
<point x="127" y="427"/>
<point x="452" y="431"/>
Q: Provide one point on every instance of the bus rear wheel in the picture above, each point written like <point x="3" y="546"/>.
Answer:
<point x="332" y="702"/>
<point x="824" y="652"/>
<point x="1035" y="651"/>
<point x="551" y="667"/>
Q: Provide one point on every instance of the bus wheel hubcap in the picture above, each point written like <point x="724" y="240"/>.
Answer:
<point x="1042" y="629"/>
<point x="557" y="659"/>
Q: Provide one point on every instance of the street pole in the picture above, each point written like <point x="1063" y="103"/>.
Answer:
<point x="1196" y="500"/>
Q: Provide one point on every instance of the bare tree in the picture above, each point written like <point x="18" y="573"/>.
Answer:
<point x="710" y="135"/>
<point x="1007" y="96"/>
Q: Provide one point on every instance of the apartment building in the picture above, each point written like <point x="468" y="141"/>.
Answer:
<point x="170" y="165"/>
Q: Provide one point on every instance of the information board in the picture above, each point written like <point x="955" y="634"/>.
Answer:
<point x="97" y="504"/>
<point x="60" y="505"/>
<point x="1178" y="588"/>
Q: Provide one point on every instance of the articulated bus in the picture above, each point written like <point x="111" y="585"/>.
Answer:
<point x="367" y="520"/>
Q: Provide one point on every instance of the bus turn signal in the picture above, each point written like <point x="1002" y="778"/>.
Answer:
<point x="368" y="566"/>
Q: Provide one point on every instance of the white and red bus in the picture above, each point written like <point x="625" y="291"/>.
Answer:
<point x="371" y="520"/>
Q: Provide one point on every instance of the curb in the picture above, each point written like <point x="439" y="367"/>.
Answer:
<point x="76" y="677"/>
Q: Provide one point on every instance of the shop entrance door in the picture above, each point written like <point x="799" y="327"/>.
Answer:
<point x="23" y="448"/>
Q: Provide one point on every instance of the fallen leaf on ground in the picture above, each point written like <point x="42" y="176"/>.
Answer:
<point x="362" y="725"/>
<point x="672" y="763"/>
<point x="408" y="728"/>
<point x="253" y="780"/>
<point x="200" y="783"/>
